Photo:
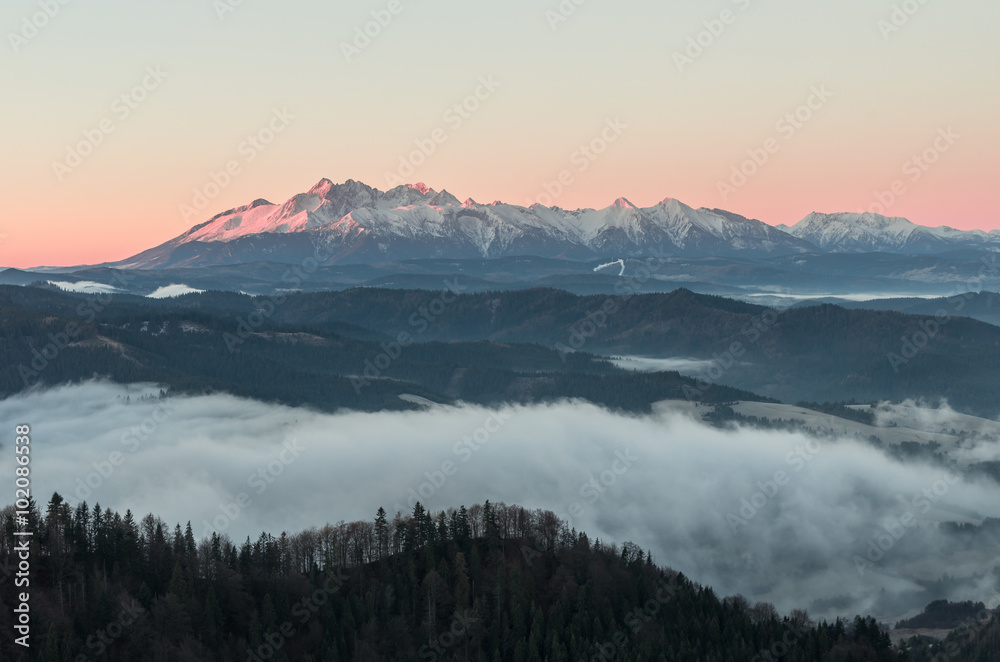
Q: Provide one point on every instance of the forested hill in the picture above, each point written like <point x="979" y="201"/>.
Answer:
<point x="526" y="346"/>
<point x="821" y="353"/>
<point x="49" y="338"/>
<point x="489" y="583"/>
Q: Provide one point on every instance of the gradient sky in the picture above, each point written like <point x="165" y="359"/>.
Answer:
<point x="686" y="129"/>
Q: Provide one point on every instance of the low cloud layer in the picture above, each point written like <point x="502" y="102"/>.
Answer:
<point x="647" y="364"/>
<point x="822" y="524"/>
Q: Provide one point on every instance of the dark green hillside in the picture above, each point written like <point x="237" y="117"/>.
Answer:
<point x="491" y="583"/>
<point x="196" y="351"/>
<point x="492" y="347"/>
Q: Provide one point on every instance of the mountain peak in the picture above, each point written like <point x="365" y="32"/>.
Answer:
<point x="420" y="186"/>
<point x="321" y="188"/>
<point x="444" y="199"/>
<point x="675" y="205"/>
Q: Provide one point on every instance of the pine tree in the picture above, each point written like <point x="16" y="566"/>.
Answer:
<point x="381" y="534"/>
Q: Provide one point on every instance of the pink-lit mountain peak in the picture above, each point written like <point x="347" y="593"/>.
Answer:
<point x="322" y="187"/>
<point x="623" y="203"/>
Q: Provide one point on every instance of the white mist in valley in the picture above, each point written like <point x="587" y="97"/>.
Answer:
<point x="836" y="526"/>
<point x="685" y="366"/>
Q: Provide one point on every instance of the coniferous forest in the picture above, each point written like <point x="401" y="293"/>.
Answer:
<point x="491" y="582"/>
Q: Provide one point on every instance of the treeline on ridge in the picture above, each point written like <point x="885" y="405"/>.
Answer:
<point x="491" y="582"/>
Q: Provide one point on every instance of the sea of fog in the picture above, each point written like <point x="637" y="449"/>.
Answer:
<point x="772" y="515"/>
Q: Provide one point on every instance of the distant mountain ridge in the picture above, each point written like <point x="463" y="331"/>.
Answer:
<point x="869" y="233"/>
<point x="355" y="223"/>
<point x="520" y="346"/>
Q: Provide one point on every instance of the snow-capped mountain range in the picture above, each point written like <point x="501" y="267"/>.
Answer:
<point x="355" y="223"/>
<point x="871" y="233"/>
